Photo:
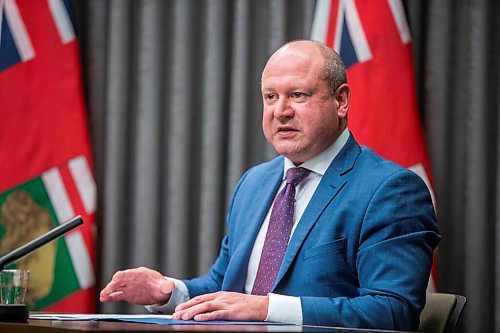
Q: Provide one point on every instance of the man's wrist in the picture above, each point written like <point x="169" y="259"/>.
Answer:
<point x="265" y="307"/>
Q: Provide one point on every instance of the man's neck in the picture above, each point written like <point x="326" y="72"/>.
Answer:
<point x="322" y="161"/>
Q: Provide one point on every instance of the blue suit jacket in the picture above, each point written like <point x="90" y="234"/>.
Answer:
<point x="361" y="253"/>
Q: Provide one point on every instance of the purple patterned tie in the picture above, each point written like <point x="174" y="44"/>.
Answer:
<point x="278" y="233"/>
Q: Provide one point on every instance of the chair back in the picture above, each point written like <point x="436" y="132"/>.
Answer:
<point x="441" y="312"/>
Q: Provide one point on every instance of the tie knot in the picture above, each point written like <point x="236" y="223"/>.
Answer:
<point x="295" y="175"/>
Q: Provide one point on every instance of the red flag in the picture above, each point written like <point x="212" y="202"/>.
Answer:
<point x="374" y="40"/>
<point x="46" y="164"/>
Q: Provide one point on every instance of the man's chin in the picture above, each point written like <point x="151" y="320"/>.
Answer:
<point x="293" y="155"/>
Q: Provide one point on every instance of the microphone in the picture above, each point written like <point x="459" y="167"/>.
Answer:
<point x="40" y="241"/>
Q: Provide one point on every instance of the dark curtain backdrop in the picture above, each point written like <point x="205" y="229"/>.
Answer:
<point x="174" y="104"/>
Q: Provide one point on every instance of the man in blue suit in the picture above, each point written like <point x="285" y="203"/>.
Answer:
<point x="358" y="250"/>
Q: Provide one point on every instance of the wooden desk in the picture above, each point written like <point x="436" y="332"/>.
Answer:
<point x="56" y="326"/>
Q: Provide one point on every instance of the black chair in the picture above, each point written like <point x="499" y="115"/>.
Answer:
<point x="441" y="313"/>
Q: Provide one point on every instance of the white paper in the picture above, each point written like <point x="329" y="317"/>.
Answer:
<point x="73" y="316"/>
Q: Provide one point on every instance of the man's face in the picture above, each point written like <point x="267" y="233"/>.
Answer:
<point x="300" y="117"/>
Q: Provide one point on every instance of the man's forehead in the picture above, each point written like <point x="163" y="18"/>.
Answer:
<point x="292" y="62"/>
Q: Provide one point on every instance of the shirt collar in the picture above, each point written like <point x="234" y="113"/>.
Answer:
<point x="320" y="163"/>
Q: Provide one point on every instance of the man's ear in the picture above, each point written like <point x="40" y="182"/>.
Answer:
<point x="343" y="98"/>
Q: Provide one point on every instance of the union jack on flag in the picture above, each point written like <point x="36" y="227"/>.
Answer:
<point x="15" y="42"/>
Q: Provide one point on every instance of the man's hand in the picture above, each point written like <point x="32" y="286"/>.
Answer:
<point x="224" y="305"/>
<point x="141" y="286"/>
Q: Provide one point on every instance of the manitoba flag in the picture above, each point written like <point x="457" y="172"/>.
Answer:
<point x="374" y="41"/>
<point x="46" y="175"/>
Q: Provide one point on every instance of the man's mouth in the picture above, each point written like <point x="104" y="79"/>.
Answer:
<point x="286" y="129"/>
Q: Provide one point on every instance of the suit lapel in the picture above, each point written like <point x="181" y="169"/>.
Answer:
<point x="331" y="183"/>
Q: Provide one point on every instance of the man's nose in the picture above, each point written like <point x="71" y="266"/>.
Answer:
<point x="283" y="109"/>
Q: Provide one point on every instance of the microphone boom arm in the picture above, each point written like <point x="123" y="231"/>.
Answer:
<point x="40" y="241"/>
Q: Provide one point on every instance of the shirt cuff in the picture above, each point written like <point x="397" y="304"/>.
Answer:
<point x="284" y="309"/>
<point x="180" y="294"/>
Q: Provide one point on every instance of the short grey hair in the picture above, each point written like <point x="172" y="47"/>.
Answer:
<point x="335" y="72"/>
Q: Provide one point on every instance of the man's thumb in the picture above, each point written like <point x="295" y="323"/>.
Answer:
<point x="166" y="286"/>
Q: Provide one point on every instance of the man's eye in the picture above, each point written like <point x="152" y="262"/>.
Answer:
<point x="270" y="97"/>
<point x="297" y="94"/>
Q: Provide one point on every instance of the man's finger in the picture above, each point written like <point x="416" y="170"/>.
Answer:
<point x="119" y="276"/>
<point x="116" y="296"/>
<point x="110" y="297"/>
<point x="214" y="315"/>
<point x="194" y="301"/>
<point x="203" y="307"/>
<point x="197" y="309"/>
<point x="111" y="287"/>
<point x="107" y="290"/>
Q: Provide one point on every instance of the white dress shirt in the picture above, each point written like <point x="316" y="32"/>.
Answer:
<point x="282" y="308"/>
